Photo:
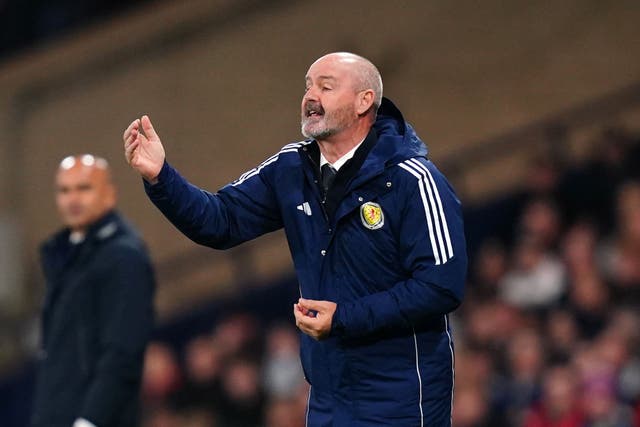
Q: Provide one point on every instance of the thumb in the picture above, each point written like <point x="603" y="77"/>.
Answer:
<point x="148" y="128"/>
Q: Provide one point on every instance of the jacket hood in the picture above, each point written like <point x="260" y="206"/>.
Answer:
<point x="397" y="140"/>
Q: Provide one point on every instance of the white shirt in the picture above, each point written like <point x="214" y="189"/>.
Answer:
<point x="76" y="237"/>
<point x="342" y="160"/>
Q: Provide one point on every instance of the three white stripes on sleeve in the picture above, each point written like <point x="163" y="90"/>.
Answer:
<point x="433" y="210"/>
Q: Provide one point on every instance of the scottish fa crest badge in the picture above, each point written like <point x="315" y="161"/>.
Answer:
<point x="371" y="215"/>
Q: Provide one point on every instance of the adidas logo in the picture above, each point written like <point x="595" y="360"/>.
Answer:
<point x="305" y="208"/>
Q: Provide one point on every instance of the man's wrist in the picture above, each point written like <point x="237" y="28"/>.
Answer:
<point x="151" y="181"/>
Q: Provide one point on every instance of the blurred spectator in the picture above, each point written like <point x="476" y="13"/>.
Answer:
<point x="579" y="250"/>
<point x="470" y="408"/>
<point x="474" y="368"/>
<point x="161" y="376"/>
<point x="284" y="413"/>
<point x="601" y="406"/>
<point x="589" y="303"/>
<point x="629" y="380"/>
<point x="537" y="278"/>
<point x="242" y="398"/>
<point x="525" y="361"/>
<point x="540" y="223"/>
<point x="559" y="405"/>
<point x="475" y="400"/>
<point x="491" y="325"/>
<point x="282" y="368"/>
<point x="625" y="320"/>
<point x="203" y="367"/>
<point x="236" y="334"/>
<point x="489" y="268"/>
<point x="543" y="176"/>
<point x="622" y="253"/>
<point x="612" y="349"/>
<point x="562" y="335"/>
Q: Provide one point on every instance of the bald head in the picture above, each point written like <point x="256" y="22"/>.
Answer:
<point x="365" y="75"/>
<point x="84" y="191"/>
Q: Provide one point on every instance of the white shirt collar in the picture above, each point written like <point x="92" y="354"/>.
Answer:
<point x="342" y="160"/>
<point x="76" y="237"/>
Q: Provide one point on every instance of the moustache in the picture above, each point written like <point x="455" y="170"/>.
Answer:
<point x="311" y="107"/>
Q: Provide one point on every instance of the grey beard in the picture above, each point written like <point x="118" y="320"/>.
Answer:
<point x="316" y="134"/>
<point x="334" y="122"/>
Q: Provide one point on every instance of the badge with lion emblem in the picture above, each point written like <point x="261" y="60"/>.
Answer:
<point x="371" y="215"/>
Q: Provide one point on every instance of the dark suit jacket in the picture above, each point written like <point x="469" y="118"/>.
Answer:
<point x="96" y="321"/>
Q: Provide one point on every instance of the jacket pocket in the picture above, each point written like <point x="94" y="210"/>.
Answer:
<point x="385" y="384"/>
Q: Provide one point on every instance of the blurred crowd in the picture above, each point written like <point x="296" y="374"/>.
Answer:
<point x="548" y="335"/>
<point x="242" y="374"/>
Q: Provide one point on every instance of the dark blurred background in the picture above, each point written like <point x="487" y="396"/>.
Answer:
<point x="532" y="109"/>
<point x="28" y="23"/>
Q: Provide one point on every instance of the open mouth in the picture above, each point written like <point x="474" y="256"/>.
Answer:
<point x="314" y="111"/>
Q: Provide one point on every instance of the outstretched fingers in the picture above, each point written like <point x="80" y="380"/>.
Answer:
<point x="131" y="132"/>
<point x="129" y="150"/>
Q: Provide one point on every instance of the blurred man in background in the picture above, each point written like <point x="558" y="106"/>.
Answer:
<point x="98" y="309"/>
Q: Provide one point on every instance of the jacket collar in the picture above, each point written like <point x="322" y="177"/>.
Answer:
<point x="58" y="254"/>
<point x="397" y="141"/>
<point x="102" y="229"/>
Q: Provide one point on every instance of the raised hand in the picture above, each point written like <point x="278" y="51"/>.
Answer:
<point x="144" y="151"/>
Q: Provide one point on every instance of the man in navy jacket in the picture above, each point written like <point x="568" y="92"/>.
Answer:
<point x="97" y="314"/>
<point x="376" y="236"/>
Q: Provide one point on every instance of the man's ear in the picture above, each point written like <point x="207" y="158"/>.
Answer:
<point x="111" y="196"/>
<point x="365" y="101"/>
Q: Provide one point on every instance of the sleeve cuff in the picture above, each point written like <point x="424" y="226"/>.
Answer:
<point x="164" y="177"/>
